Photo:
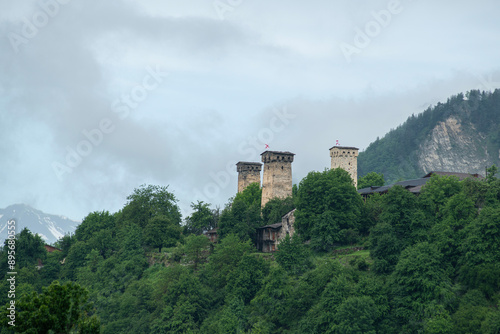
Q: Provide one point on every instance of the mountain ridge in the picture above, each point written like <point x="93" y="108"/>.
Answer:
<point x="460" y="135"/>
<point x="50" y="227"/>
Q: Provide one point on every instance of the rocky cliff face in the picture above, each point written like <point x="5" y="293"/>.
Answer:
<point x="455" y="146"/>
<point x="460" y="135"/>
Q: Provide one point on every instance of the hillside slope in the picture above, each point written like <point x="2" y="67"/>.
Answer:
<point x="461" y="135"/>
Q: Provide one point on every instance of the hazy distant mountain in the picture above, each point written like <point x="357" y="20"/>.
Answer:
<point x="461" y="135"/>
<point x="49" y="227"/>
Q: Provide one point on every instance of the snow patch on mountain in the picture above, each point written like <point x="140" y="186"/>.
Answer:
<point x="49" y="227"/>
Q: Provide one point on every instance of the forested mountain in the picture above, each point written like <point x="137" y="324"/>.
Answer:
<point x="461" y="135"/>
<point x="395" y="263"/>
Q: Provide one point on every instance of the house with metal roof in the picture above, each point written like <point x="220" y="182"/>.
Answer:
<point x="415" y="185"/>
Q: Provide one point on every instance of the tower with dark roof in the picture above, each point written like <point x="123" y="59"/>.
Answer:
<point x="346" y="158"/>
<point x="248" y="172"/>
<point x="277" y="178"/>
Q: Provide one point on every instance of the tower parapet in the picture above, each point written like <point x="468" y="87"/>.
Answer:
<point x="346" y="158"/>
<point x="277" y="178"/>
<point x="248" y="172"/>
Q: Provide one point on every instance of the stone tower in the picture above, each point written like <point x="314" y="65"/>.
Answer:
<point x="347" y="159"/>
<point x="277" y="179"/>
<point x="248" y="172"/>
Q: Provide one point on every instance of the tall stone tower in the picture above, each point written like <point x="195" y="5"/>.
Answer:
<point x="248" y="172"/>
<point x="277" y="179"/>
<point x="347" y="159"/>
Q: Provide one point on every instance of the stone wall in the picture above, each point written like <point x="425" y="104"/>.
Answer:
<point x="287" y="226"/>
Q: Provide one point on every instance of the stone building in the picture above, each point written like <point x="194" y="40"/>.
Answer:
<point x="347" y="159"/>
<point x="269" y="236"/>
<point x="277" y="178"/>
<point x="248" y="172"/>
<point x="414" y="185"/>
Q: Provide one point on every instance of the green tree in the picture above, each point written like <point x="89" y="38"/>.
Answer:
<point x="275" y="209"/>
<point x="185" y="301"/>
<point x="491" y="173"/>
<point x="246" y="279"/>
<point x="153" y="209"/>
<point x="448" y="234"/>
<point x="59" y="308"/>
<point x="420" y="284"/>
<point x="480" y="263"/>
<point x="28" y="249"/>
<point x="475" y="189"/>
<point x="98" y="231"/>
<point x="150" y="201"/>
<point x="243" y="215"/>
<point x="472" y="311"/>
<point x="436" y="192"/>
<point x="196" y="249"/>
<point x="327" y="206"/>
<point x="491" y="323"/>
<point x="232" y="318"/>
<point x="225" y="258"/>
<point x="370" y="213"/>
<point x="385" y="247"/>
<point x="293" y="256"/>
<point x="202" y="219"/>
<point x="371" y="179"/>
<point x="356" y="315"/>
<point x="75" y="259"/>
<point x="93" y="223"/>
<point x="307" y="292"/>
<point x="400" y="211"/>
<point x="161" y="232"/>
<point x="441" y="323"/>
<point x="251" y="195"/>
<point x="271" y="302"/>
<point x="65" y="243"/>
<point x="493" y="186"/>
<point x="322" y="317"/>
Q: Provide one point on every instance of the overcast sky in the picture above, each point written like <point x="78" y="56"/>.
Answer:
<point x="98" y="97"/>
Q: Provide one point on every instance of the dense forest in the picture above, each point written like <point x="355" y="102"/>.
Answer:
<point x="393" y="263"/>
<point x="396" y="154"/>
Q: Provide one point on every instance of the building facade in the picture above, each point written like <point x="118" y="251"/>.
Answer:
<point x="269" y="236"/>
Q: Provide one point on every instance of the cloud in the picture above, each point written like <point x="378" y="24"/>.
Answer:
<point x="226" y="79"/>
